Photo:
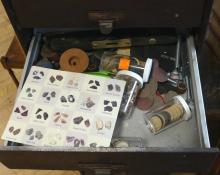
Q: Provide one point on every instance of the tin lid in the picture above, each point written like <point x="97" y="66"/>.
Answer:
<point x="147" y="69"/>
<point x="132" y="74"/>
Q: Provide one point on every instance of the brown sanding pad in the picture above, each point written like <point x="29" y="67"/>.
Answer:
<point x="149" y="89"/>
<point x="74" y="60"/>
<point x="159" y="75"/>
<point x="144" y="103"/>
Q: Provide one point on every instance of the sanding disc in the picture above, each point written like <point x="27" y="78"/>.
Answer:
<point x="155" y="63"/>
<point x="159" y="75"/>
<point x="144" y="103"/>
<point x="149" y="89"/>
<point x="74" y="60"/>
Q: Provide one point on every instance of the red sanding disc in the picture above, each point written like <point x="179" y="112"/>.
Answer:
<point x="155" y="63"/>
<point x="159" y="75"/>
<point x="144" y="103"/>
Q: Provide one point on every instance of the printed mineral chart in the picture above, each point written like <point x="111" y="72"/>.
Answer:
<point x="58" y="108"/>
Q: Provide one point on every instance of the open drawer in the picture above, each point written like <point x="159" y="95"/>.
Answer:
<point x="182" y="148"/>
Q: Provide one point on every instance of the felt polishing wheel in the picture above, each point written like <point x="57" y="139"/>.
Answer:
<point x="74" y="60"/>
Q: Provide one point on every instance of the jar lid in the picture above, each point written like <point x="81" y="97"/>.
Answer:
<point x="187" y="114"/>
<point x="147" y="69"/>
<point x="132" y="74"/>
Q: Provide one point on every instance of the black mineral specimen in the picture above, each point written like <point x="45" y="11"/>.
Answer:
<point x="17" y="110"/>
<point x="108" y="108"/>
<point x="97" y="83"/>
<point x="17" y="131"/>
<point x="63" y="99"/>
<point x="35" y="72"/>
<point x="36" y="77"/>
<point x="82" y="142"/>
<point x="69" y="138"/>
<point x="30" y="95"/>
<point x="45" y="94"/>
<point x="117" y="88"/>
<point x="110" y="87"/>
<point x="93" y="87"/>
<point x="114" y="103"/>
<point x="31" y="137"/>
<point x="78" y="120"/>
<point x="53" y="94"/>
<point x="52" y="79"/>
<point x="106" y="102"/>
<point x="38" y="110"/>
<point x="59" y="77"/>
<point x="33" y="90"/>
<point x="71" y="98"/>
<point x="45" y="116"/>
<point x="11" y="129"/>
<point x="87" y="123"/>
<point x="38" y="116"/>
<point x="38" y="135"/>
<point x="93" y="145"/>
<point x="91" y="81"/>
<point x="25" y="113"/>
<point x="23" y="107"/>
<point x="42" y="73"/>
<point x="28" y="90"/>
<point x="76" y="143"/>
<point x="90" y="104"/>
<point x="29" y="131"/>
<point x="48" y="98"/>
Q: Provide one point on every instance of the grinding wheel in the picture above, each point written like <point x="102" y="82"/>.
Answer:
<point x="74" y="60"/>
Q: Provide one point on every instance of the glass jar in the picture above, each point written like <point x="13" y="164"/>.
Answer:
<point x="113" y="62"/>
<point x="173" y="112"/>
<point x="134" y="83"/>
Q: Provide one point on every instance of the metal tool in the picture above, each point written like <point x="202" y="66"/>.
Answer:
<point x="175" y="74"/>
<point x="178" y="85"/>
<point x="174" y="85"/>
<point x="189" y="96"/>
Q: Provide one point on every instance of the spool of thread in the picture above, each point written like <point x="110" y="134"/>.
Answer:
<point x="169" y="115"/>
<point x="74" y="60"/>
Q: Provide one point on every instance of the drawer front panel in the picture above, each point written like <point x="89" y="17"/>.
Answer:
<point x="148" y="160"/>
